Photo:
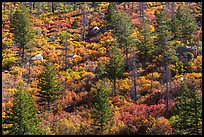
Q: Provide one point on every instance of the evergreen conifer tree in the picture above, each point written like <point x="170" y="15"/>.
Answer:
<point x="22" y="28"/>
<point x="122" y="29"/>
<point x="49" y="85"/>
<point x="115" y="67"/>
<point x="176" y="24"/>
<point x="146" y="46"/>
<point x="22" y="117"/>
<point x="162" y="43"/>
<point x="188" y="26"/>
<point x="110" y="14"/>
<point x="183" y="25"/>
<point x="188" y="110"/>
<point x="101" y="112"/>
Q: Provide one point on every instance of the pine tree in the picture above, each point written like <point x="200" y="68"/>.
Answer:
<point x="162" y="43"/>
<point x="188" y="26"/>
<point x="50" y="87"/>
<point x="22" y="28"/>
<point x="123" y="28"/>
<point x="101" y="70"/>
<point x="146" y="46"/>
<point x="110" y="14"/>
<point x="176" y="24"/>
<point x="183" y="25"/>
<point x="188" y="110"/>
<point x="115" y="67"/>
<point x="101" y="111"/>
<point x="165" y="49"/>
<point x="22" y="116"/>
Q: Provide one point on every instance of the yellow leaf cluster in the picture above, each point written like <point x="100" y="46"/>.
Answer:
<point x="156" y="75"/>
<point x="93" y="24"/>
<point x="124" y="84"/>
<point x="102" y="50"/>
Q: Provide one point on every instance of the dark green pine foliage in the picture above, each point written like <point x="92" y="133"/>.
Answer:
<point x="176" y="24"/>
<point x="101" y="111"/>
<point x="21" y="27"/>
<point x="115" y="67"/>
<point x="146" y="46"/>
<point x="188" y="26"/>
<point x="49" y="85"/>
<point x="101" y="70"/>
<point x="183" y="25"/>
<point x="188" y="110"/>
<point x="122" y="29"/>
<point x="164" y="48"/>
<point x="110" y="14"/>
<point x="22" y="115"/>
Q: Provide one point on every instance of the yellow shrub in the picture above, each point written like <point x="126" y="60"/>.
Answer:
<point x="93" y="24"/>
<point x="124" y="84"/>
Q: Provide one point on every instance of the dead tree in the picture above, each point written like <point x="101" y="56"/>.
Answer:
<point x="85" y="20"/>
<point x="166" y="80"/>
<point x="66" y="63"/>
<point x="134" y="76"/>
<point x="141" y="8"/>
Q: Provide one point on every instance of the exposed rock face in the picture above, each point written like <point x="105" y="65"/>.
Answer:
<point x="182" y="52"/>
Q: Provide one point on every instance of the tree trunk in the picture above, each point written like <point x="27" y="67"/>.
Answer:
<point x="53" y="10"/>
<point x="167" y="97"/>
<point x="23" y="52"/>
<point x="114" y="85"/>
<point x="135" y="88"/>
<point x="65" y="61"/>
<point x="101" y="128"/>
<point x="49" y="105"/>
<point x="33" y="6"/>
<point x="126" y="56"/>
<point x="66" y="52"/>
<point x="196" y="115"/>
<point x="134" y="77"/>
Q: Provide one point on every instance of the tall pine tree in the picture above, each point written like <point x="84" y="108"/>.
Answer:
<point x="22" y="116"/>
<point x="101" y="111"/>
<point x="110" y="14"/>
<point x="21" y="27"/>
<point x="115" y="67"/>
<point x="50" y="87"/>
<point x="123" y="28"/>
<point x="176" y="24"/>
<point x="188" y="110"/>
<point x="162" y="43"/>
<point x="146" y="46"/>
<point x="188" y="26"/>
<point x="183" y="25"/>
